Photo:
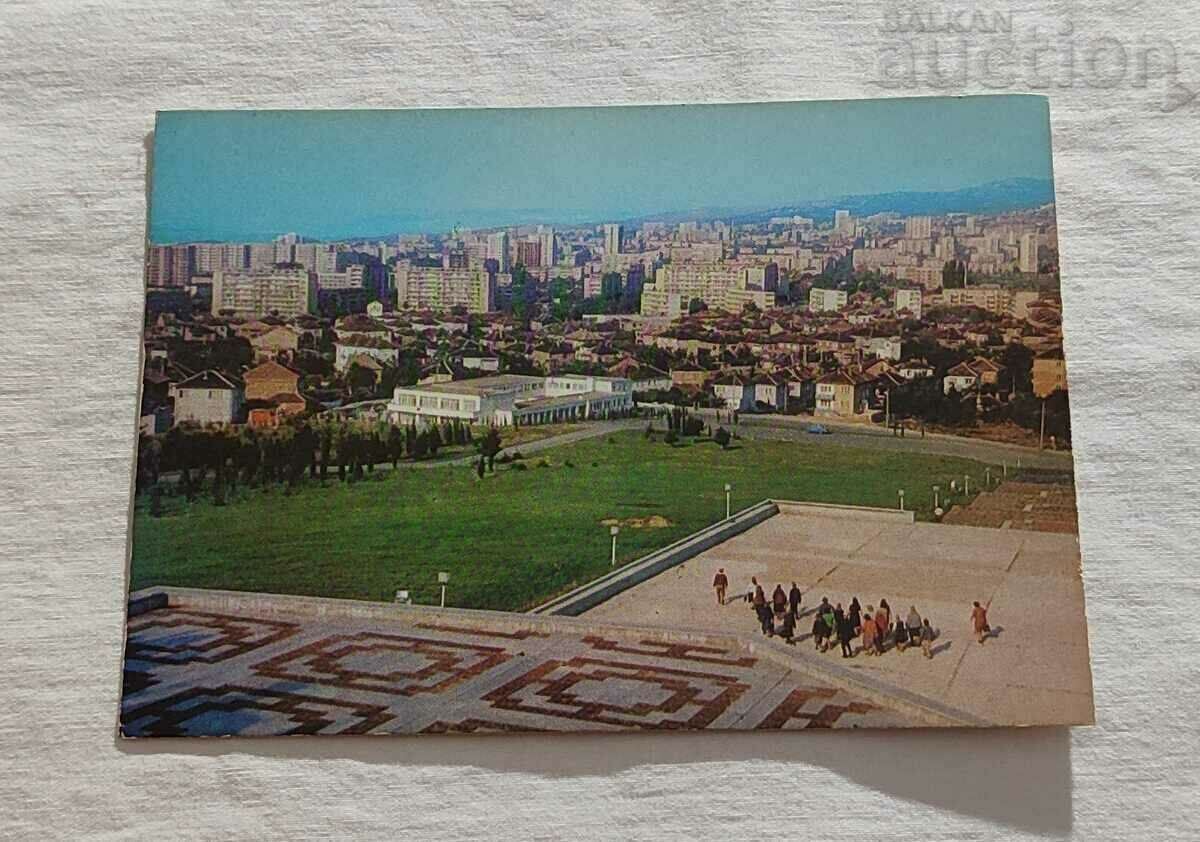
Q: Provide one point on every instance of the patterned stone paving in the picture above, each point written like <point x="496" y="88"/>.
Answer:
<point x="197" y="673"/>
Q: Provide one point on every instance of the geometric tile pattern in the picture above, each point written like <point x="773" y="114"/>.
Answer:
<point x="386" y="662"/>
<point x="812" y="708"/>
<point x="614" y="693"/>
<point x="198" y="673"/>
<point x="176" y="637"/>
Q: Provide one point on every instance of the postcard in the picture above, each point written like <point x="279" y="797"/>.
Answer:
<point x="747" y="416"/>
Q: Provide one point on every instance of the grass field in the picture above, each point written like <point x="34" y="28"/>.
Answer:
<point x="515" y="538"/>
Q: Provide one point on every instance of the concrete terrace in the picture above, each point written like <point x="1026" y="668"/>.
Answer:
<point x="211" y="663"/>
<point x="1034" y="671"/>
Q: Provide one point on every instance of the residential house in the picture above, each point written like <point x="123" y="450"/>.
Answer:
<point x="736" y="391"/>
<point x="268" y="379"/>
<point x="1049" y="373"/>
<point x="842" y="393"/>
<point x="208" y="397"/>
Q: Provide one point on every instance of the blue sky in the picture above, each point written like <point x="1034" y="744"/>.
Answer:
<point x="250" y="175"/>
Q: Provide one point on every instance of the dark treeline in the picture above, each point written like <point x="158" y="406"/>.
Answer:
<point x="215" y="460"/>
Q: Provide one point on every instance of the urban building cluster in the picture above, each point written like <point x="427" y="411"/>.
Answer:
<point x="845" y="317"/>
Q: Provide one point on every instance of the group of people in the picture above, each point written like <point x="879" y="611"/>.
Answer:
<point x="833" y="625"/>
<point x="876" y="627"/>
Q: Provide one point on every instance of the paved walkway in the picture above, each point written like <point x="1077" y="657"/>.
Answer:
<point x="250" y="669"/>
<point x="793" y="428"/>
<point x="1034" y="671"/>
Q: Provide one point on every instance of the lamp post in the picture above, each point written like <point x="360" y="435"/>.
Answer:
<point x="987" y="478"/>
<point x="937" y="489"/>
<point x="966" y="485"/>
<point x="443" y="578"/>
<point x="613" y="530"/>
<point x="728" y="500"/>
<point x="901" y="499"/>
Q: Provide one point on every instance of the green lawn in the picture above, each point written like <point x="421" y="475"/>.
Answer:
<point x="514" y="539"/>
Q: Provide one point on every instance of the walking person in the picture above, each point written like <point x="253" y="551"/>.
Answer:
<point x="760" y="598"/>
<point x="830" y="619"/>
<point x="900" y="635"/>
<point x="882" y="626"/>
<point x="765" y="621"/>
<point x="720" y="583"/>
<point x="819" y="632"/>
<point x="846" y="637"/>
<point x="927" y="638"/>
<point x="794" y="597"/>
<point x="855" y="613"/>
<point x="979" y="620"/>
<point x="913" y="622"/>
<point x="787" y="629"/>
<point x="779" y="599"/>
<point x="868" y="633"/>
<point x="750" y="590"/>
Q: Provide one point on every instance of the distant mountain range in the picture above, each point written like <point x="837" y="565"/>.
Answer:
<point x="993" y="197"/>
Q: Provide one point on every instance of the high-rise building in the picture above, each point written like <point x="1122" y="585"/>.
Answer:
<point x="158" y="266"/>
<point x="529" y="253"/>
<point x="259" y="292"/>
<point x="918" y="227"/>
<point x="843" y="222"/>
<point x="549" y="244"/>
<point x="612" y="240"/>
<point x="497" y="249"/>
<point x="1027" y="260"/>
<point x="440" y="288"/>
<point x="211" y="257"/>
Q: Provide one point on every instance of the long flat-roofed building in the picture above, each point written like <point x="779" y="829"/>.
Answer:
<point x="285" y="290"/>
<point x="513" y="400"/>
<point x="440" y="288"/>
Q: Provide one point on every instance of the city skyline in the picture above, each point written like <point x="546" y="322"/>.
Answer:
<point x="429" y="170"/>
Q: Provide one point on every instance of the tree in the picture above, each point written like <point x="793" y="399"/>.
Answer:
<point x="489" y="447"/>
<point x="722" y="438"/>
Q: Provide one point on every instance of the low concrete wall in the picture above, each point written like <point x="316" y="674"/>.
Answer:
<point x="287" y="606"/>
<point x="622" y="579"/>
<point x="796" y="507"/>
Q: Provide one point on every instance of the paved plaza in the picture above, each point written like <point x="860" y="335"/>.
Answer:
<point x="252" y="668"/>
<point x="1034" y="670"/>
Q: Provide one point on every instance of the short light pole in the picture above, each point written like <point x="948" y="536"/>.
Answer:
<point x="901" y="499"/>
<point x="1004" y="468"/>
<point x="937" y="489"/>
<point x="728" y="500"/>
<point x="987" y="477"/>
<point x="613" y="530"/>
<point x="443" y="578"/>
<point x="966" y="485"/>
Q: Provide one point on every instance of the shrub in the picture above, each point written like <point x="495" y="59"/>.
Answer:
<point x="519" y="466"/>
<point x="671" y="437"/>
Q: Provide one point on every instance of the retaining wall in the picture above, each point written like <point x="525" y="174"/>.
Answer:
<point x="623" y="578"/>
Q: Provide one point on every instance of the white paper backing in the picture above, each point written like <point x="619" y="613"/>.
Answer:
<point x="79" y="84"/>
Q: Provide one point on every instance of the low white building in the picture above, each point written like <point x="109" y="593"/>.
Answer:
<point x="513" y="400"/>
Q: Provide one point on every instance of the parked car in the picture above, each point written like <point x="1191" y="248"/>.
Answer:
<point x="819" y="430"/>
